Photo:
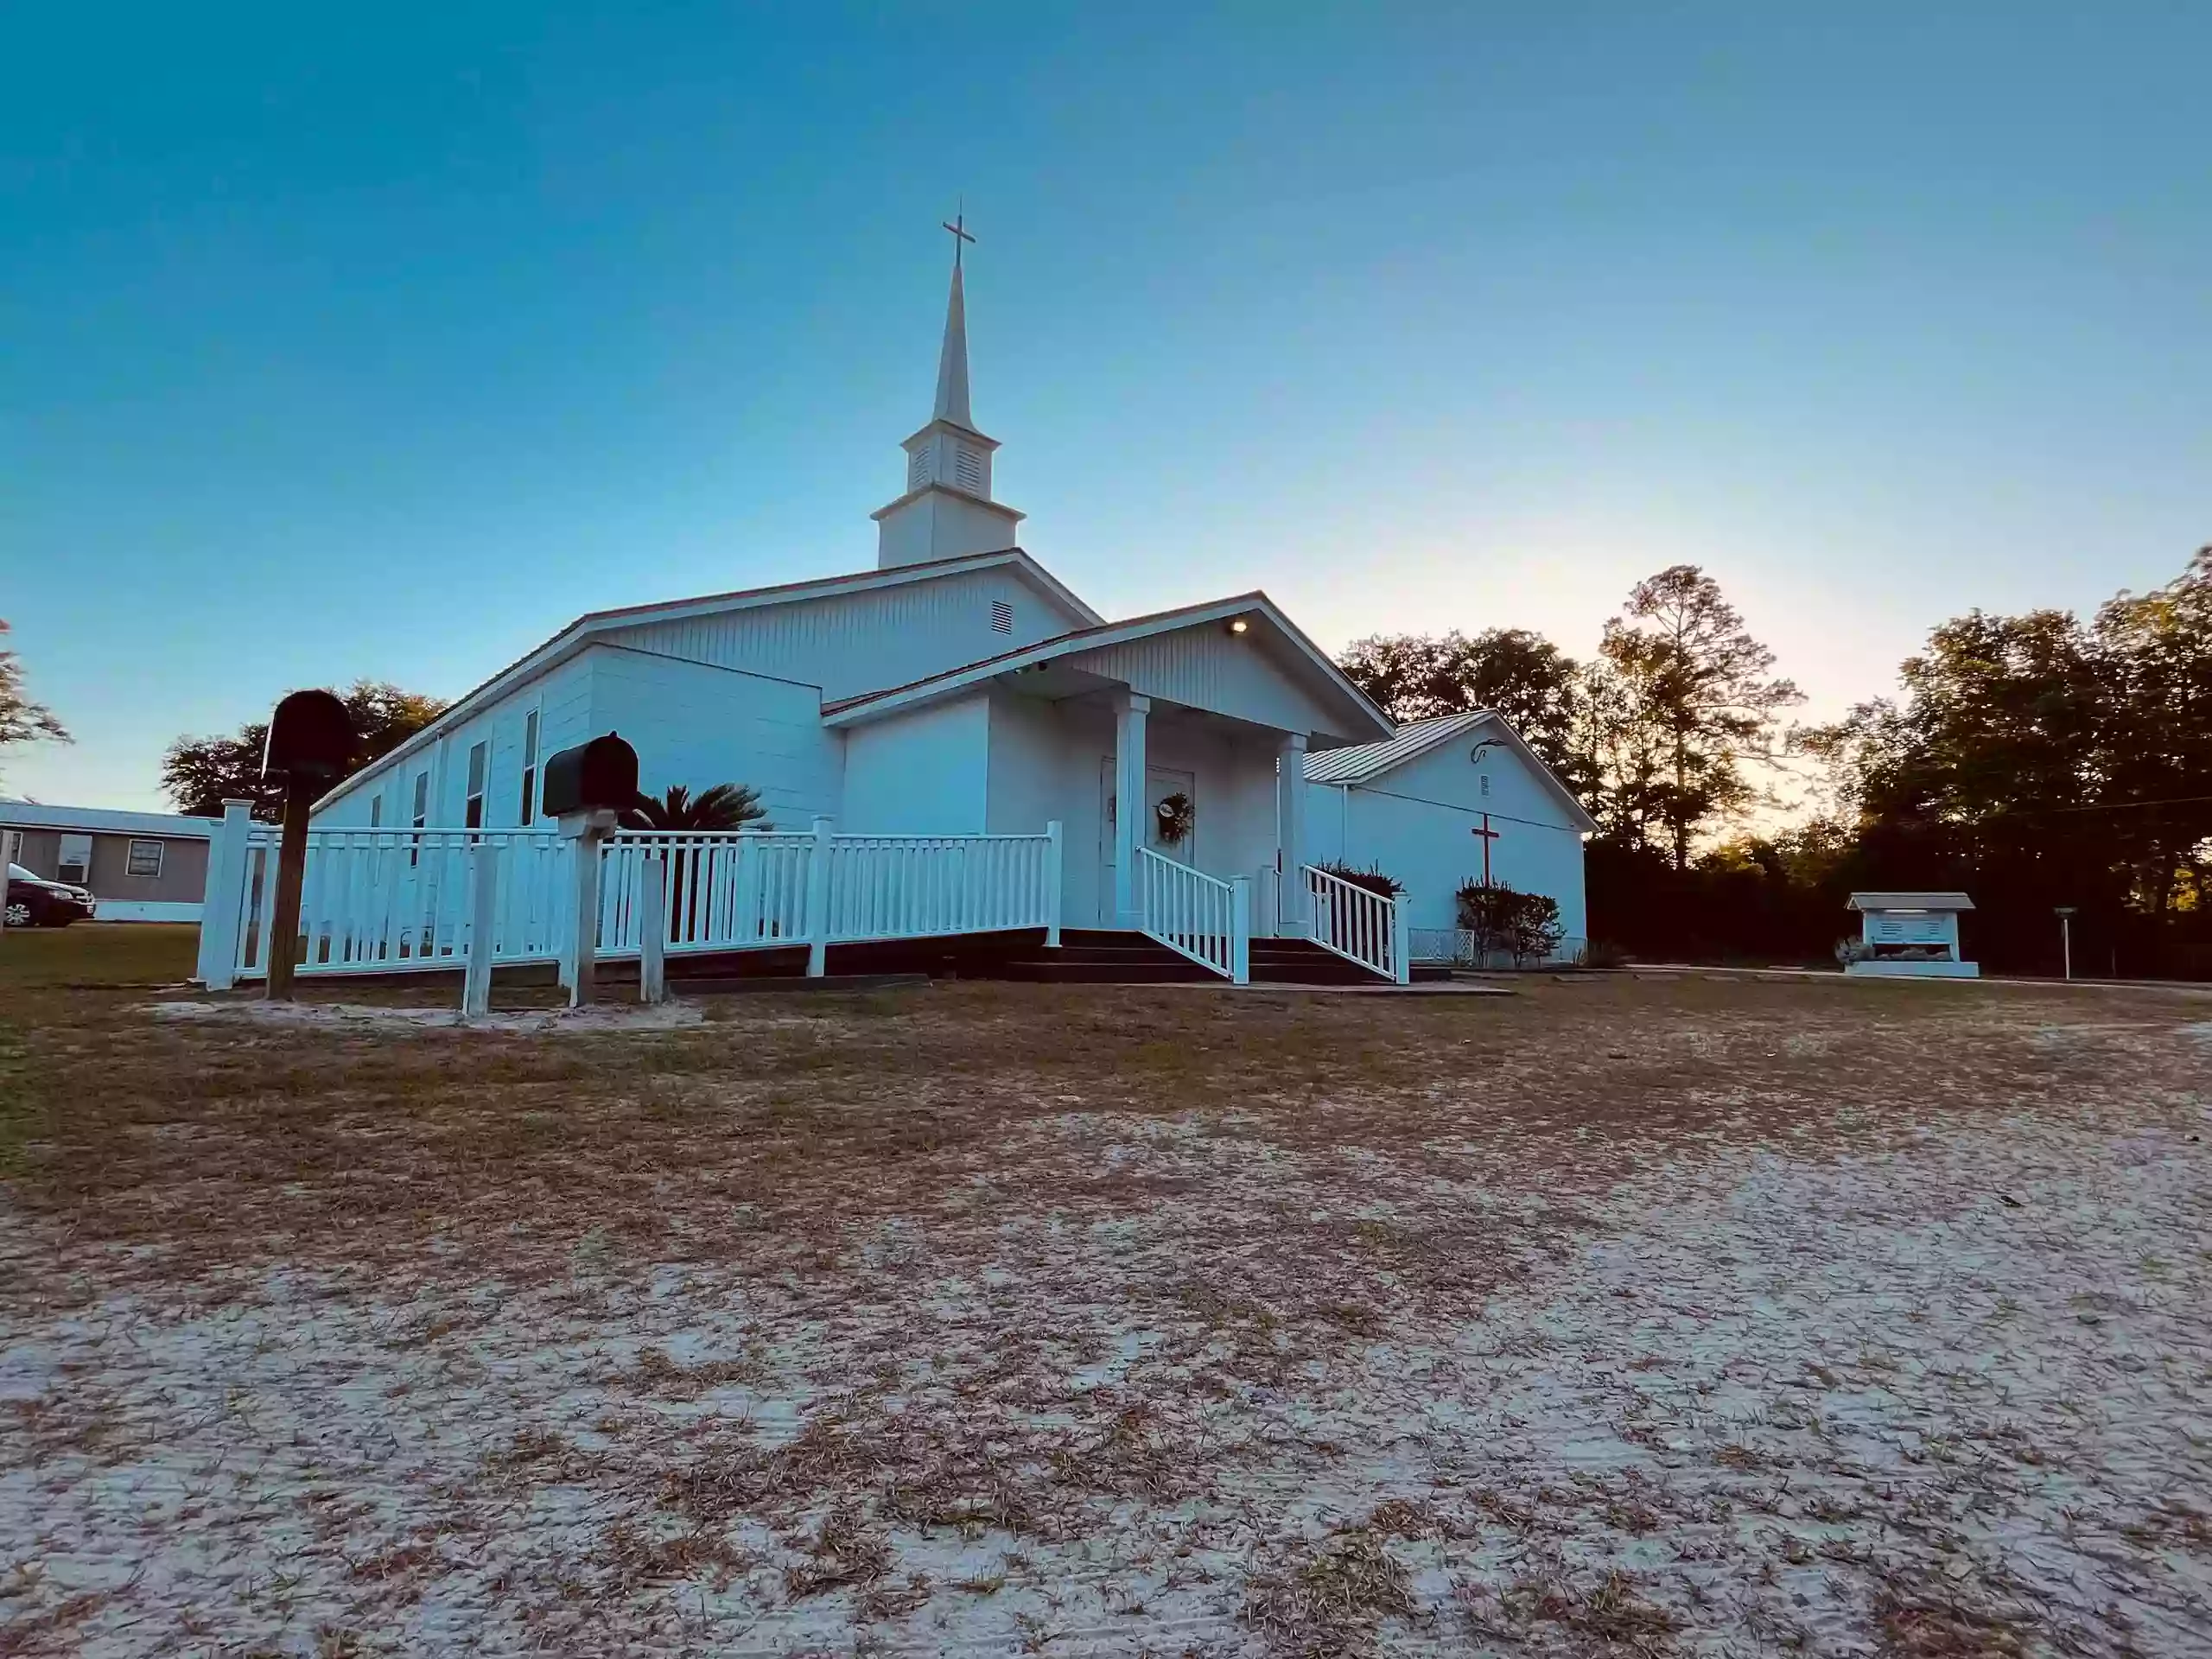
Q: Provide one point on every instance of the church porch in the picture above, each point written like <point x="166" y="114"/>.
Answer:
<point x="1205" y="713"/>
<point x="1207" y="784"/>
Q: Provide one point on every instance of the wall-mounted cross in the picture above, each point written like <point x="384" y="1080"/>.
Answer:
<point x="1486" y="834"/>
<point x="960" y="236"/>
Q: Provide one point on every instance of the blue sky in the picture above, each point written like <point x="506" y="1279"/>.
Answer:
<point x="382" y="342"/>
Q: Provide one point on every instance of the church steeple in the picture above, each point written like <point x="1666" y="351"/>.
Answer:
<point x="953" y="358"/>
<point x="947" y="509"/>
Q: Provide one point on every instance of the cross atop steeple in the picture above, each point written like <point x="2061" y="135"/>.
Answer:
<point x="958" y="226"/>
<point x="952" y="358"/>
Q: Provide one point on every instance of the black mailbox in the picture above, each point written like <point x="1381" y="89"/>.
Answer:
<point x="310" y="739"/>
<point x="600" y="773"/>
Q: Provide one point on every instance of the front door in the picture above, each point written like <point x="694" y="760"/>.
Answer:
<point x="1161" y="784"/>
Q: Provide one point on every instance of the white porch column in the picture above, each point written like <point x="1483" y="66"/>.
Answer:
<point x="1291" y="902"/>
<point x="1129" y="801"/>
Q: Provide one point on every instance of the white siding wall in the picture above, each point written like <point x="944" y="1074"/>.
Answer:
<point x="700" y="726"/>
<point x="1045" y="765"/>
<point x="923" y="773"/>
<point x="849" y="643"/>
<point x="1033" y="770"/>
<point x="1416" y="824"/>
<point x="562" y="696"/>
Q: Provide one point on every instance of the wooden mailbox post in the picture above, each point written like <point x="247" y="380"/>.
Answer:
<point x="310" y="745"/>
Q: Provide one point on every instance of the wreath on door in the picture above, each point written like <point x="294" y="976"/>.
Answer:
<point x="1174" y="816"/>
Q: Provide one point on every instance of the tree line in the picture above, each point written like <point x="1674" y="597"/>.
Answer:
<point x="2033" y="761"/>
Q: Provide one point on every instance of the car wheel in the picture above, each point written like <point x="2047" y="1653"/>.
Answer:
<point x="19" y="913"/>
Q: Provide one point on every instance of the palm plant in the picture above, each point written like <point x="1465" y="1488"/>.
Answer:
<point x="725" y="806"/>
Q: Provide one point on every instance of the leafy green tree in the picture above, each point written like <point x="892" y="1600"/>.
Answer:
<point x="1694" y="703"/>
<point x="199" y="773"/>
<point x="2003" y="719"/>
<point x="2047" y="761"/>
<point x="22" y="721"/>
<point x="2156" y="653"/>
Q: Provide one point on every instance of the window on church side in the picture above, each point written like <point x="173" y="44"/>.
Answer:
<point x="528" y="769"/>
<point x="422" y="816"/>
<point x="479" y="766"/>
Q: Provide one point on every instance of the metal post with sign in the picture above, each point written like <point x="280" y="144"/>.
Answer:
<point x="2065" y="914"/>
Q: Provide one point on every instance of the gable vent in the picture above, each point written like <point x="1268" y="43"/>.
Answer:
<point x="1002" y="617"/>
<point x="968" y="469"/>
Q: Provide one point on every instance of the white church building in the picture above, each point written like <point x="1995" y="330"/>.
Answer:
<point x="957" y="688"/>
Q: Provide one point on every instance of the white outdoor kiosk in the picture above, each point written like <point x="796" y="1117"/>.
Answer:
<point x="1910" y="936"/>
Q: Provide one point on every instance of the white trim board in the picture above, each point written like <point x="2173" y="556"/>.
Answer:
<point x="147" y="910"/>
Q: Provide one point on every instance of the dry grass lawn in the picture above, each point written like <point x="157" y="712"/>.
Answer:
<point x="1628" y="1316"/>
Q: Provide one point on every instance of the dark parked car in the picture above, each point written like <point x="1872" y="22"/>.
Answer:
<point x="34" y="901"/>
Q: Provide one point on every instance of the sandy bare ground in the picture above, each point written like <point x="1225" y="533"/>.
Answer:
<point x="1629" y="1318"/>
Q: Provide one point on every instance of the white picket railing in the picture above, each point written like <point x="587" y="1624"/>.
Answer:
<point x="1360" y="925"/>
<point x="396" y="900"/>
<point x="1206" y="919"/>
<point x="387" y="900"/>
<point x="724" y="890"/>
<point x="924" y="887"/>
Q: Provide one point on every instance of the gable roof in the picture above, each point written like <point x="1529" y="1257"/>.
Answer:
<point x="1365" y="762"/>
<point x="853" y="711"/>
<point x="591" y="624"/>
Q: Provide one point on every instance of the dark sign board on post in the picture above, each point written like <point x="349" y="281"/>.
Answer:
<point x="310" y="744"/>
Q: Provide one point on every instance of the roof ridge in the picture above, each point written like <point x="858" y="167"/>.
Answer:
<point x="874" y="571"/>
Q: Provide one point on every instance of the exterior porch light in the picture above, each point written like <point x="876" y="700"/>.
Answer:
<point x="1239" y="625"/>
